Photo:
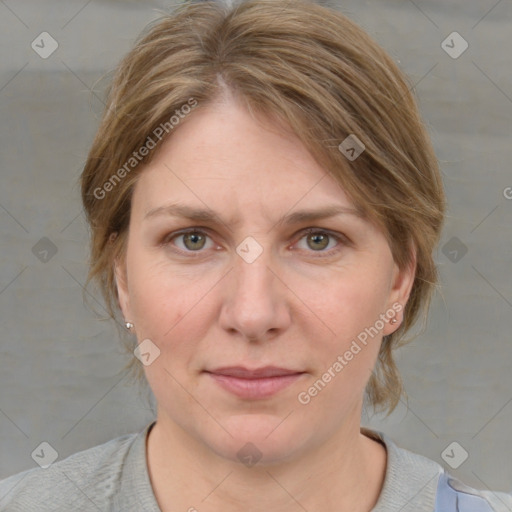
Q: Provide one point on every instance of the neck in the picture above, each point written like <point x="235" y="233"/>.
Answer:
<point x="346" y="472"/>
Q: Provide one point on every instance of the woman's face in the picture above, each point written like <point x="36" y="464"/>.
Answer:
<point x="250" y="287"/>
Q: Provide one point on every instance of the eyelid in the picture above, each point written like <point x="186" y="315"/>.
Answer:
<point x="341" y="238"/>
<point x="335" y="234"/>
<point x="167" y="238"/>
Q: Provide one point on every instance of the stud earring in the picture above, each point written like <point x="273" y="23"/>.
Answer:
<point x="393" y="321"/>
<point x="128" y="325"/>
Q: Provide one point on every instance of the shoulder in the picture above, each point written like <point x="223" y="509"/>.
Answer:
<point x="454" y="495"/>
<point x="86" y="480"/>
<point x="416" y="483"/>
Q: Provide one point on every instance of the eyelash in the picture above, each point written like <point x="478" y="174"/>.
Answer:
<point x="341" y="239"/>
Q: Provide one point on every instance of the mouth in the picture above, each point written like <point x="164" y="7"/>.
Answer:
<point x="258" y="383"/>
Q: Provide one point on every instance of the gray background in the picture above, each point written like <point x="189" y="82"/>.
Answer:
<point x="61" y="375"/>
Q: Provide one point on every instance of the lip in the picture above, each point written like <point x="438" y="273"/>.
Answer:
<point x="257" y="373"/>
<point x="254" y="384"/>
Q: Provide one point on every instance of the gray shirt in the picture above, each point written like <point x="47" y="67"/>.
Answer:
<point x="114" y="477"/>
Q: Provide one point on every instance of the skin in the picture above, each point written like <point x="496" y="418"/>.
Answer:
<point x="298" y="305"/>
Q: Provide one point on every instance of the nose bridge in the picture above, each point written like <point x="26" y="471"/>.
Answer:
<point x="253" y="302"/>
<point x="251" y="272"/>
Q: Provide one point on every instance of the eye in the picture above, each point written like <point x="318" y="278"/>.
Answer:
<point x="193" y="240"/>
<point x="317" y="240"/>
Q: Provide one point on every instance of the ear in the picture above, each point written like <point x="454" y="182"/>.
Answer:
<point x="122" y="288"/>
<point x="403" y="281"/>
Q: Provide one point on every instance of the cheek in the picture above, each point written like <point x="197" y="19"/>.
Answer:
<point x="171" y="307"/>
<point x="170" y="312"/>
<point x="351" y="301"/>
<point x="350" y="306"/>
<point x="159" y="295"/>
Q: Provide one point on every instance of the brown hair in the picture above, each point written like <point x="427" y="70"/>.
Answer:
<point x="317" y="71"/>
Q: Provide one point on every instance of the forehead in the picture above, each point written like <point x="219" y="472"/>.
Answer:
<point x="222" y="158"/>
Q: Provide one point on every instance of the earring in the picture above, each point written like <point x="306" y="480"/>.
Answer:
<point x="393" y="321"/>
<point x="128" y="325"/>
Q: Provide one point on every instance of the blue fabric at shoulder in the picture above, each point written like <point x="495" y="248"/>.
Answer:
<point x="454" y="496"/>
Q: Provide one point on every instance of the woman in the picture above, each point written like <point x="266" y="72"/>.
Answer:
<point x="264" y="201"/>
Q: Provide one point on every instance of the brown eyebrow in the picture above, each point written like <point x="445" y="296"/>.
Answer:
<point x="208" y="215"/>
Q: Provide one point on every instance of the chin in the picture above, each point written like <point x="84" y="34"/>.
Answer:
<point x="259" y="438"/>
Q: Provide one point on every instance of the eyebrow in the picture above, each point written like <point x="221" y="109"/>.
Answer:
<point x="209" y="215"/>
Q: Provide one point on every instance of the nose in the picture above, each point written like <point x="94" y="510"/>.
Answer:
<point x="255" y="300"/>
